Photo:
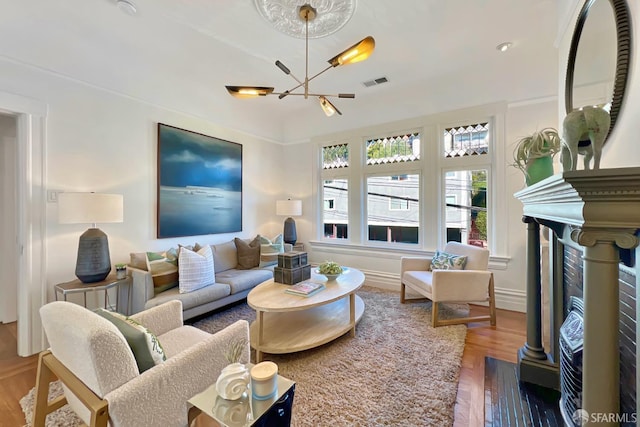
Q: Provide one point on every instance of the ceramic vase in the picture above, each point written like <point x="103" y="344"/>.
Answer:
<point x="233" y="381"/>
<point x="539" y="169"/>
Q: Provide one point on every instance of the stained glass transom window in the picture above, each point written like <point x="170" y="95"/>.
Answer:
<point x="393" y="149"/>
<point x="335" y="156"/>
<point x="467" y="140"/>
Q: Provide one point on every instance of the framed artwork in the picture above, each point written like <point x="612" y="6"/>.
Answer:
<point x="199" y="184"/>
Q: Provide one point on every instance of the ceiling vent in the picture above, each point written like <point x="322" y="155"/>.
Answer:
<point x="375" y="82"/>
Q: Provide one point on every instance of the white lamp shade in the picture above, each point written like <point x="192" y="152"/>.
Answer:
<point x="90" y="208"/>
<point x="289" y="207"/>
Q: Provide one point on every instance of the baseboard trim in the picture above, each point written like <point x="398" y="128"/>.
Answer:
<point x="506" y="299"/>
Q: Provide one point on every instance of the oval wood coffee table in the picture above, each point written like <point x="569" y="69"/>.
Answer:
<point x="288" y="323"/>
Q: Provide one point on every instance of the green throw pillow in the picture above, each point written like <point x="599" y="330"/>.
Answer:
<point x="144" y="344"/>
<point x="445" y="261"/>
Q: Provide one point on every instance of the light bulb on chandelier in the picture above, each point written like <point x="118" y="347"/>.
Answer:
<point x="356" y="53"/>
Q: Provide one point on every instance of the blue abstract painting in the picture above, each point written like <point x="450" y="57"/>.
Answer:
<point x="199" y="184"/>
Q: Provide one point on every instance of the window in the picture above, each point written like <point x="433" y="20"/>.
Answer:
<point x="329" y="204"/>
<point x="467" y="140"/>
<point x="335" y="214"/>
<point x="417" y="187"/>
<point x="393" y="208"/>
<point x="393" y="149"/>
<point x="466" y="219"/>
<point x="335" y="156"/>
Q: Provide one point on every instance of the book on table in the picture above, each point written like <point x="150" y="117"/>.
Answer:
<point x="305" y="289"/>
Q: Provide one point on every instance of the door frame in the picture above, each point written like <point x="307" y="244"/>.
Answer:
<point x="31" y="217"/>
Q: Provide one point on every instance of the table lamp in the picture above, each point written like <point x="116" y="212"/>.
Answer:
<point x="289" y="208"/>
<point x="93" y="263"/>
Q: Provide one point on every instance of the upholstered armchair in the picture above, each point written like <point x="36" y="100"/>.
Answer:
<point x="101" y="378"/>
<point x="473" y="283"/>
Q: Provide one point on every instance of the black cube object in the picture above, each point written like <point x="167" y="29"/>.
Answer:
<point x="291" y="276"/>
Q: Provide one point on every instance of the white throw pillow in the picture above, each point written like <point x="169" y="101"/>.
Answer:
<point x="269" y="250"/>
<point x="195" y="269"/>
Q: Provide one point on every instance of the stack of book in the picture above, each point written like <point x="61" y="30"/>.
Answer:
<point x="305" y="289"/>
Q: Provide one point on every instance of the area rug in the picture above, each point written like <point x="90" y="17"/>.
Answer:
<point x="397" y="371"/>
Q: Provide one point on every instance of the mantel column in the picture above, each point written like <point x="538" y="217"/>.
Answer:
<point x="601" y="354"/>
<point x="534" y="365"/>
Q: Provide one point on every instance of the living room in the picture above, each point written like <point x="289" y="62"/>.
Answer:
<point x="94" y="124"/>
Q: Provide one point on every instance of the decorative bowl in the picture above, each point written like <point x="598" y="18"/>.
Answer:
<point x="330" y="277"/>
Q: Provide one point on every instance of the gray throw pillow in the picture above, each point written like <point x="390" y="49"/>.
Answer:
<point x="248" y="253"/>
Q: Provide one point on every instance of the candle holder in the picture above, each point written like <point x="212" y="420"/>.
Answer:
<point x="264" y="380"/>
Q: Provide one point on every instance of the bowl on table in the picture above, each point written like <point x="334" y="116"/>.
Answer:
<point x="331" y="277"/>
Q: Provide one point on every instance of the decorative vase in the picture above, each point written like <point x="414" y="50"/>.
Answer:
<point x="233" y="381"/>
<point x="538" y="169"/>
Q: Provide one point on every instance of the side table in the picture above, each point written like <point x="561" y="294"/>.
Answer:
<point x="246" y="411"/>
<point x="77" y="286"/>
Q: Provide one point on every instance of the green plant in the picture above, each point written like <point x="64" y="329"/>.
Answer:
<point x="542" y="143"/>
<point x="235" y="350"/>
<point x="121" y="266"/>
<point x="329" y="267"/>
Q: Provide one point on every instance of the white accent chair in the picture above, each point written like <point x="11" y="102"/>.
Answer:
<point x="100" y="377"/>
<point x="473" y="284"/>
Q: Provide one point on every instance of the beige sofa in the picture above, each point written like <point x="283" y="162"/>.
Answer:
<point x="231" y="285"/>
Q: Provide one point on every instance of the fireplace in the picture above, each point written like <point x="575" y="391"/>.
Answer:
<point x="571" y="340"/>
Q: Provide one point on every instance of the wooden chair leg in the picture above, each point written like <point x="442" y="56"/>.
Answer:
<point x="492" y="302"/>
<point x="42" y="407"/>
<point x="434" y="314"/>
<point x="402" y="293"/>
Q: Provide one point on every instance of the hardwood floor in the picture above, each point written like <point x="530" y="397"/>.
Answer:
<point x="17" y="374"/>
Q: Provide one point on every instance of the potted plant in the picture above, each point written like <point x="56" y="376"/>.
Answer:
<point x="533" y="154"/>
<point x="330" y="269"/>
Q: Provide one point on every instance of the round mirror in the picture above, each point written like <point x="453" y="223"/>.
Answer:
<point x="599" y="57"/>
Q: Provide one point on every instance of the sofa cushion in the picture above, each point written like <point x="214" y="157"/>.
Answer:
<point x="241" y="280"/>
<point x="447" y="261"/>
<point x="138" y="260"/>
<point x="196" y="269"/>
<point x="192" y="299"/>
<point x="145" y="346"/>
<point x="248" y="253"/>
<point x="225" y="255"/>
<point x="269" y="250"/>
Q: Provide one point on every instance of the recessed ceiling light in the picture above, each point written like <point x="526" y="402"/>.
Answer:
<point x="503" y="47"/>
<point x="127" y="7"/>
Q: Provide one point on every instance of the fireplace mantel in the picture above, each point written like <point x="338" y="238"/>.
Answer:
<point x="604" y="198"/>
<point x="602" y="210"/>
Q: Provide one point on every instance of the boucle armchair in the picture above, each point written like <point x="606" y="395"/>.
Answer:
<point x="474" y="283"/>
<point x="101" y="379"/>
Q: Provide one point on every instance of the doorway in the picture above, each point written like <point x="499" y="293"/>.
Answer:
<point x="29" y="222"/>
<point x="8" y="219"/>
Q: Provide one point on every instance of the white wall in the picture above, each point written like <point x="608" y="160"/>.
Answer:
<point x="383" y="267"/>
<point x="104" y="142"/>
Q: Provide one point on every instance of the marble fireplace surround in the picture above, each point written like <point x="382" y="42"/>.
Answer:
<point x="600" y="211"/>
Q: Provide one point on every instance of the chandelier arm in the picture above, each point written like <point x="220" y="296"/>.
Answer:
<point x="287" y="71"/>
<point x="328" y="68"/>
<point x="337" y="95"/>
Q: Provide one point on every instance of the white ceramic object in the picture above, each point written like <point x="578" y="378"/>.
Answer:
<point x="233" y="381"/>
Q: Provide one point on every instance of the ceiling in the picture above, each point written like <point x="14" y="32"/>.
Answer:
<point x="179" y="54"/>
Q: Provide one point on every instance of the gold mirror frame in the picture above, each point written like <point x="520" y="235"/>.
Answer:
<point x="623" y="35"/>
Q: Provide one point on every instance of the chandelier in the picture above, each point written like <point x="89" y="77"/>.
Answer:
<point x="356" y="53"/>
